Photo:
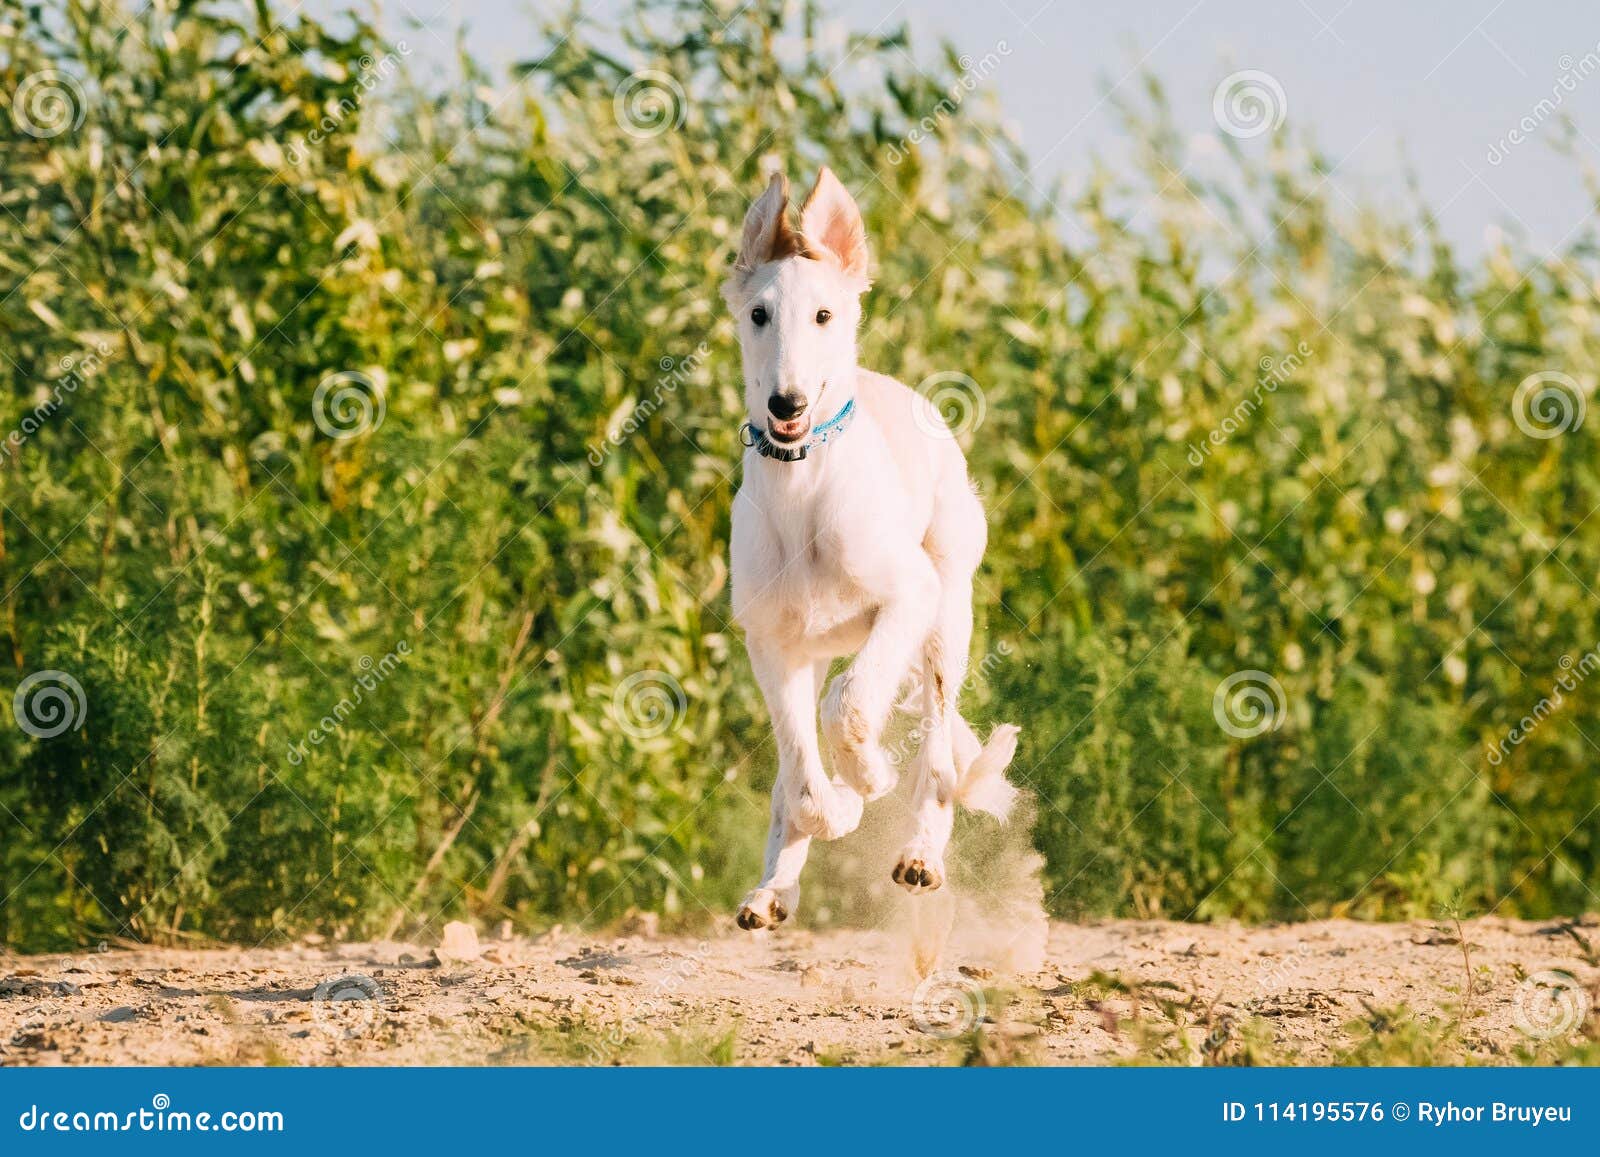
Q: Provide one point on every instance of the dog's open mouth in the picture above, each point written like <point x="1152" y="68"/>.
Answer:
<point x="788" y="432"/>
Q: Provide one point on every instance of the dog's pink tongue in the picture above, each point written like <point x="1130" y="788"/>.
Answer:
<point x="789" y="429"/>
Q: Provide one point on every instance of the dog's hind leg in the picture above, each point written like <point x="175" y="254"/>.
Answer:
<point x="951" y="757"/>
<point x="920" y="867"/>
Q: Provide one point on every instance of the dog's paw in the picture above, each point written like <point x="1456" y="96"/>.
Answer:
<point x="762" y="908"/>
<point x="918" y="870"/>
<point x="826" y="815"/>
<point x="857" y="757"/>
<point x="866" y="769"/>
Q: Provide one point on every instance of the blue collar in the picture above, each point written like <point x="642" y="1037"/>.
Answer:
<point x="752" y="435"/>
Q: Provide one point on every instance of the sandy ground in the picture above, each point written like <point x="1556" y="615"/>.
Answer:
<point x="1101" y="993"/>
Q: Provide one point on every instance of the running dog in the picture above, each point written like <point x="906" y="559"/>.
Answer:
<point x="856" y="531"/>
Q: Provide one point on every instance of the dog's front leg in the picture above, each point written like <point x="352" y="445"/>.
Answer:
<point x="804" y="803"/>
<point x="770" y="902"/>
<point x="858" y="701"/>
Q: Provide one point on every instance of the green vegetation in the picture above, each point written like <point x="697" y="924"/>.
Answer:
<point x="363" y="683"/>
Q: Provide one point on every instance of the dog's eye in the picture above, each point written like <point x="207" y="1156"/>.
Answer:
<point x="759" y="316"/>
<point x="823" y="316"/>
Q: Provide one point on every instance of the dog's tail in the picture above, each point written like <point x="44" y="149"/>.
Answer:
<point x="981" y="767"/>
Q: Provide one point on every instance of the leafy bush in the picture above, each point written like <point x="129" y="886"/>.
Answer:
<point x="259" y="237"/>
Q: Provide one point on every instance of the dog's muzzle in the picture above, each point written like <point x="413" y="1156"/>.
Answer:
<point x="793" y="451"/>
<point x="787" y="421"/>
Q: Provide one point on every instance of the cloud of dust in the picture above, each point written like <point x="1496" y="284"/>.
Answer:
<point x="989" y="914"/>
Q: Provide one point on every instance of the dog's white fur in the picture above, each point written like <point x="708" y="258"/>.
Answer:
<point x="867" y="547"/>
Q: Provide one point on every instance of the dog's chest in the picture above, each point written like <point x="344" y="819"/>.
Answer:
<point x="816" y="555"/>
<point x="819" y="589"/>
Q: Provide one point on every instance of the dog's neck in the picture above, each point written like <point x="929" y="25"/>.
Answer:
<point x="819" y="436"/>
<point x="845" y="410"/>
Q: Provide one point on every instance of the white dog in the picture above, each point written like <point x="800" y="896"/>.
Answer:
<point x="855" y="531"/>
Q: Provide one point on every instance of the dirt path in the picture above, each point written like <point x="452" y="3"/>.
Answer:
<point x="1107" y="991"/>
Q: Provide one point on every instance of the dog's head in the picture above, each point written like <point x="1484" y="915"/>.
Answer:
<point x="796" y="297"/>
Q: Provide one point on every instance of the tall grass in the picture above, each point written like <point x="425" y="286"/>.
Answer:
<point x="534" y="535"/>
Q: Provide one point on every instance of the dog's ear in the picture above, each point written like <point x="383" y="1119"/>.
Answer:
<point x="767" y="232"/>
<point x="831" y="222"/>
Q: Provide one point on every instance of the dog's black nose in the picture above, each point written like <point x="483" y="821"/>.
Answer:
<point x="787" y="405"/>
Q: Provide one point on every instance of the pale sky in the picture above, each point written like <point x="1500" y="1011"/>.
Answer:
<point x="1384" y="86"/>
